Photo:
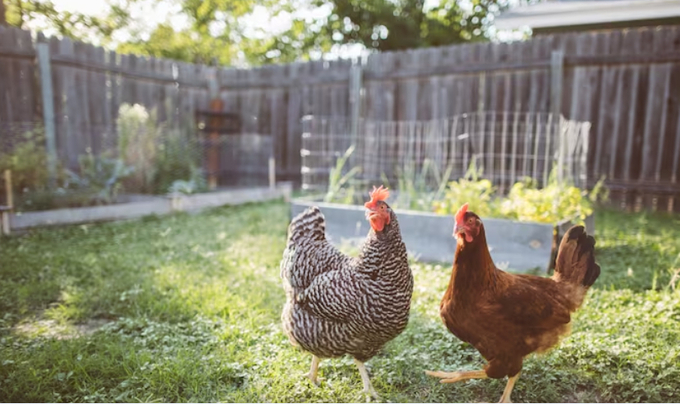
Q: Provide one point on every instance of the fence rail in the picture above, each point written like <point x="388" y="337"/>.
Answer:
<point x="626" y="83"/>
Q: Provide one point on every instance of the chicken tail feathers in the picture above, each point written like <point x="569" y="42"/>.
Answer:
<point x="576" y="259"/>
<point x="309" y="224"/>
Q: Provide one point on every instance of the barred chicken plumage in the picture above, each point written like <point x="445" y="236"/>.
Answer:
<point x="337" y="304"/>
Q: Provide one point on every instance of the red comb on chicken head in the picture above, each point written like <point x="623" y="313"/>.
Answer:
<point x="378" y="213"/>
<point x="466" y="225"/>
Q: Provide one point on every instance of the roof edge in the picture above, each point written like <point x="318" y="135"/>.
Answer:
<point x="581" y="13"/>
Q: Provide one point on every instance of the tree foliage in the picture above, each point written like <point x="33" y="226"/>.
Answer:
<point x="384" y="25"/>
<point x="70" y="24"/>
<point x="402" y="24"/>
<point x="212" y="35"/>
<point x="221" y="31"/>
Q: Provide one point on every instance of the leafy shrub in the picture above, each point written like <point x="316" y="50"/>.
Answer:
<point x="195" y="184"/>
<point x="178" y="158"/>
<point x="138" y="136"/>
<point x="555" y="202"/>
<point x="28" y="163"/>
<point x="161" y="155"/>
<point x="101" y="177"/>
<point x="472" y="189"/>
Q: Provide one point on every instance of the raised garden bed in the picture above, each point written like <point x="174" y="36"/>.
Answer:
<point x="139" y="207"/>
<point x="515" y="246"/>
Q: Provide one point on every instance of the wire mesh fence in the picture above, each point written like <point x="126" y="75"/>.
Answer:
<point x="137" y="158"/>
<point x="505" y="147"/>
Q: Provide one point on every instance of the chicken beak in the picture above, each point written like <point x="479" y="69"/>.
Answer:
<point x="457" y="228"/>
<point x="370" y="213"/>
<point x="460" y="230"/>
<point x="375" y="219"/>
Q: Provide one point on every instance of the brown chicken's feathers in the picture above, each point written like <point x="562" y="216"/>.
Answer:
<point x="508" y="316"/>
<point x="576" y="258"/>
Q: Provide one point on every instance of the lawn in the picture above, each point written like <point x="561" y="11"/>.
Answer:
<point x="186" y="308"/>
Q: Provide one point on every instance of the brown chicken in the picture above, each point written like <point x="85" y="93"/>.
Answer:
<point x="506" y="316"/>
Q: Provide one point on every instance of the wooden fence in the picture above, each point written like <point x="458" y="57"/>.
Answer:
<point x="625" y="82"/>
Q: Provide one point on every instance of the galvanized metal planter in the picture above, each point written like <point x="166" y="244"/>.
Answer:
<point x="514" y="246"/>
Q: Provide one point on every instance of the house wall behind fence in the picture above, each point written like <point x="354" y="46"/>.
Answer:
<point x="625" y="82"/>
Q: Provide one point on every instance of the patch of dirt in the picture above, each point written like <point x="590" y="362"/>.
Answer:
<point x="51" y="329"/>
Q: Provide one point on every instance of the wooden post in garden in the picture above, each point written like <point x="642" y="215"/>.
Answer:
<point x="5" y="211"/>
<point x="214" y="142"/>
<point x="10" y="191"/>
<point x="48" y="109"/>
<point x="272" y="173"/>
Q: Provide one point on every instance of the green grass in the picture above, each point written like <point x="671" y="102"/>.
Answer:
<point x="186" y="308"/>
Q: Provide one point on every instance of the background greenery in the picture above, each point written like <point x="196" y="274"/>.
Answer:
<point x="148" y="158"/>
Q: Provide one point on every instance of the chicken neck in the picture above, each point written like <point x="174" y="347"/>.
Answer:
<point x="473" y="268"/>
<point x="380" y="247"/>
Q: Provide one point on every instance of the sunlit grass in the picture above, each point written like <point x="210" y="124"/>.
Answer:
<point x="186" y="308"/>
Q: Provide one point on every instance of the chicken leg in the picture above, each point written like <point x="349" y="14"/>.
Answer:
<point x="505" y="398"/>
<point x="314" y="370"/>
<point x="368" y="388"/>
<point x="453" y="377"/>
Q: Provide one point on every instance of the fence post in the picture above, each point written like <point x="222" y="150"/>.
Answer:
<point x="215" y="122"/>
<point x="556" y="80"/>
<point x="213" y="83"/>
<point x="355" y="85"/>
<point x="47" y="92"/>
<point x="6" y="210"/>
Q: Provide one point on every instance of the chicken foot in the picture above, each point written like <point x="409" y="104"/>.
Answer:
<point x="453" y="377"/>
<point x="505" y="398"/>
<point x="368" y="387"/>
<point x="314" y="370"/>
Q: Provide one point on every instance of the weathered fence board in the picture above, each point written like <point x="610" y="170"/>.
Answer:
<point x="18" y="92"/>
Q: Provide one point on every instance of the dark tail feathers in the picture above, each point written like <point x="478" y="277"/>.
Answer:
<point x="576" y="258"/>
<point x="309" y="224"/>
